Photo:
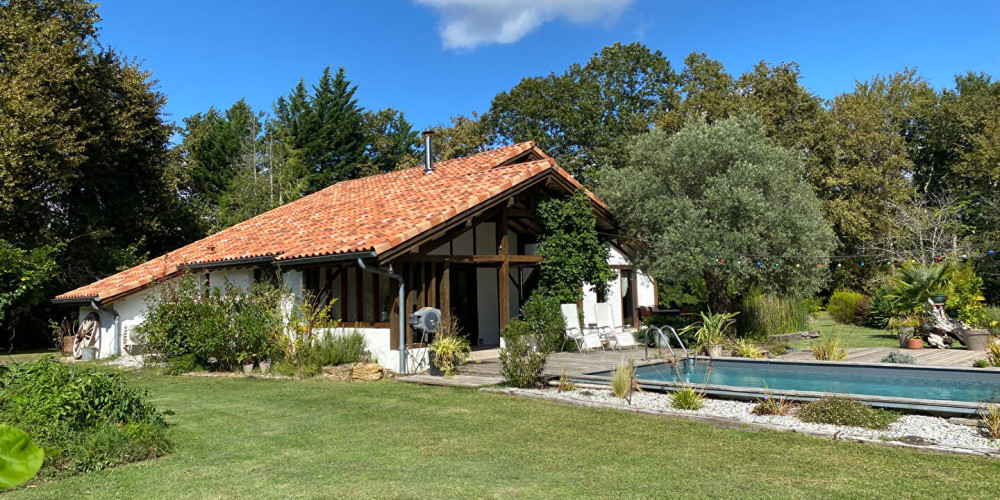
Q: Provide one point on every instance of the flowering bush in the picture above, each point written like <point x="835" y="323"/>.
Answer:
<point x="214" y="328"/>
<point x="967" y="298"/>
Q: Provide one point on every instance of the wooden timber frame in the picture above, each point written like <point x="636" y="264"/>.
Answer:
<point x="428" y="274"/>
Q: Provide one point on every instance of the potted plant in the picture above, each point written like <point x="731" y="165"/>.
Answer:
<point x="448" y="350"/>
<point x="905" y="327"/>
<point x="710" y="332"/>
<point x="246" y="360"/>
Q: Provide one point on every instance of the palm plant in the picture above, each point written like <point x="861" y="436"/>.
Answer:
<point x="915" y="284"/>
<point x="711" y="330"/>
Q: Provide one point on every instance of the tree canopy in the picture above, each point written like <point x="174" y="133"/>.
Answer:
<point x="713" y="200"/>
<point x="585" y="116"/>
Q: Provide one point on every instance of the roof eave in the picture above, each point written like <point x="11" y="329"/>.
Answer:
<point x="300" y="261"/>
<point x="68" y="301"/>
<point x="217" y="264"/>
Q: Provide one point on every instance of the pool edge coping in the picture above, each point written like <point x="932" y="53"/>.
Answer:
<point x="934" y="406"/>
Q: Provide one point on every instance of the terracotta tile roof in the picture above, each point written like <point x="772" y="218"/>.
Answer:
<point x="374" y="213"/>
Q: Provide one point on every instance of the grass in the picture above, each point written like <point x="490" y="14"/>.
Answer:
<point x="854" y="336"/>
<point x="25" y="356"/>
<point x="253" y="438"/>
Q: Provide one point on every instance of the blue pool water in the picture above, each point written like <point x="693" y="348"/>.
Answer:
<point x="902" y="382"/>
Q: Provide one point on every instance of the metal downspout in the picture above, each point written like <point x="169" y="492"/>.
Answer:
<point x="402" y="308"/>
<point x="117" y="349"/>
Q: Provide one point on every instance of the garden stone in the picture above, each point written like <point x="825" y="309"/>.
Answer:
<point x="339" y="372"/>
<point x="367" y="372"/>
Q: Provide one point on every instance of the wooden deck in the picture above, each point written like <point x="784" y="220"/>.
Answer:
<point x="578" y="364"/>
<point x="956" y="358"/>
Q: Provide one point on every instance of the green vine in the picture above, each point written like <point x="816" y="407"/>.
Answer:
<point x="571" y="251"/>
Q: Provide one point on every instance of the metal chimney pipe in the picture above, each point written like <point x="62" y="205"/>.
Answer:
<point x="428" y="152"/>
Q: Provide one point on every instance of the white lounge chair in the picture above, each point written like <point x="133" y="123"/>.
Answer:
<point x="621" y="335"/>
<point x="583" y="340"/>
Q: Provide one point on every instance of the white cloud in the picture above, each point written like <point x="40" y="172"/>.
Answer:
<point x="468" y="23"/>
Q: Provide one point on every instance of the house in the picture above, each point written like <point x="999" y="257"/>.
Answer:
<point x="459" y="235"/>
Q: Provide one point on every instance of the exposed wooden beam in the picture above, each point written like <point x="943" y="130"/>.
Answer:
<point x="503" y="273"/>
<point x="464" y="217"/>
<point x="521" y="213"/>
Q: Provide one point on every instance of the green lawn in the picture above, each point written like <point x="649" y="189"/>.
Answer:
<point x="246" y="438"/>
<point x="856" y="336"/>
<point x="24" y="356"/>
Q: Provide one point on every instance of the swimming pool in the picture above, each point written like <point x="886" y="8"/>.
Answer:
<point x="940" y="390"/>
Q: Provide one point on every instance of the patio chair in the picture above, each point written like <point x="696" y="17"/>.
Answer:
<point x="622" y="335"/>
<point x="584" y="340"/>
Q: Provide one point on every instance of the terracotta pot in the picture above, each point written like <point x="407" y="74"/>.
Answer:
<point x="67" y="345"/>
<point x="915" y="343"/>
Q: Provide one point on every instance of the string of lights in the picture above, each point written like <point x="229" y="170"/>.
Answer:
<point x="836" y="260"/>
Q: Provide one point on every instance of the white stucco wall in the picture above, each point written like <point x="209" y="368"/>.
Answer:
<point x="241" y="278"/>
<point x="645" y="291"/>
<point x="131" y="311"/>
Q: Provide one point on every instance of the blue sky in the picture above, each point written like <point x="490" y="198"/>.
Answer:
<point x="438" y="58"/>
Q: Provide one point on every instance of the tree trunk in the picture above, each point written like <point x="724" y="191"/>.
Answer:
<point x="718" y="293"/>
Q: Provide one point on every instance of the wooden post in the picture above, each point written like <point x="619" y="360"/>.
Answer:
<point x="503" y="273"/>
<point x="394" y="314"/>
<point x="445" y="293"/>
<point x="343" y="295"/>
<point x="411" y="296"/>
<point x="359" y="295"/>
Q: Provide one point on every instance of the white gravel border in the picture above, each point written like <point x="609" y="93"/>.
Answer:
<point x="911" y="431"/>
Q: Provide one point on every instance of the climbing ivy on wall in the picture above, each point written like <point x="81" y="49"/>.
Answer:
<point x="572" y="254"/>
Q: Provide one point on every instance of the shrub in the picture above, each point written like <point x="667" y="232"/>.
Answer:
<point x="980" y="363"/>
<point x="542" y="315"/>
<point x="966" y="296"/>
<point x="831" y="348"/>
<point x="993" y="352"/>
<point x="449" y="352"/>
<point x="848" y="412"/>
<point x="883" y="308"/>
<point x="777" y="349"/>
<point x="993" y="319"/>
<point x="333" y="348"/>
<point x="744" y="348"/>
<point x="897" y="356"/>
<point x="848" y="308"/>
<point x="991" y="419"/>
<point x="623" y="380"/>
<point x="764" y="315"/>
<point x="221" y="328"/>
<point x="915" y="283"/>
<point x="711" y="330"/>
<point x="520" y="364"/>
<point x="565" y="383"/>
<point x="92" y="417"/>
<point x="814" y="305"/>
<point x="770" y="405"/>
<point x="687" y="398"/>
<point x="183" y="364"/>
